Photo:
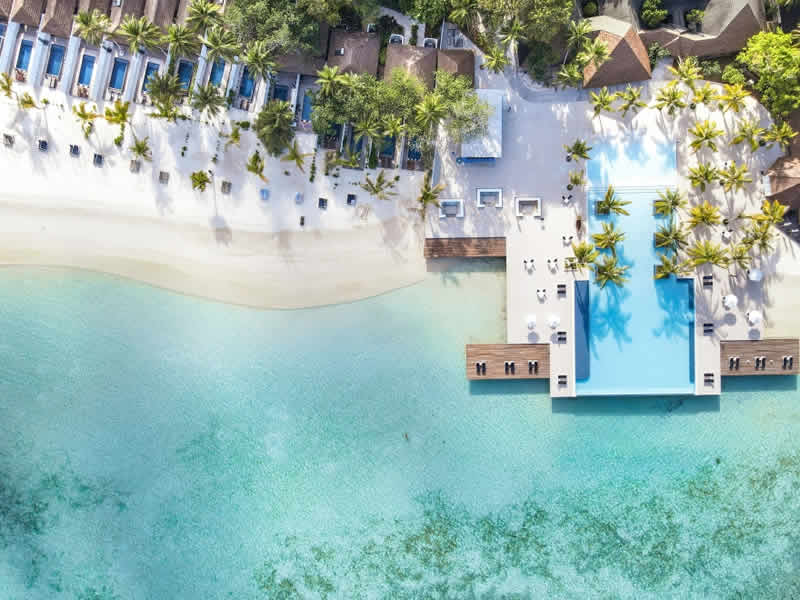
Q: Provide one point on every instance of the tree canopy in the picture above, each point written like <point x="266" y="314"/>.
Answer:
<point x="775" y="61"/>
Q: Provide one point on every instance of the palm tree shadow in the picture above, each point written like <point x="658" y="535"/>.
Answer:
<point x="606" y="316"/>
<point x="674" y="322"/>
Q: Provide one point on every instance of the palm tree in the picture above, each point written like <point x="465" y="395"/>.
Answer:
<point x="669" y="202"/>
<point x="85" y="117"/>
<point x="702" y="175"/>
<point x="430" y="111"/>
<point x="274" y="126"/>
<point x="429" y="195"/>
<point x="578" y="149"/>
<point x="631" y="98"/>
<point x="671" y="98"/>
<point x="6" y="85"/>
<point x="705" y="95"/>
<point x="462" y="12"/>
<point x="368" y="127"/>
<point x="294" y="155"/>
<point x="610" y="271"/>
<point x="749" y="131"/>
<point x="141" y="148"/>
<point x="771" y="213"/>
<point x="704" y="133"/>
<point x="577" y="34"/>
<point x="234" y="137"/>
<point x="760" y="236"/>
<point x="182" y="41"/>
<point x="740" y="256"/>
<point x="668" y="266"/>
<point x="608" y="238"/>
<point x="208" y="99"/>
<point x="393" y="126"/>
<point x="734" y="177"/>
<point x="585" y="254"/>
<point x="511" y="33"/>
<point x="258" y="59"/>
<point x="733" y="97"/>
<point x="687" y="71"/>
<point x="570" y="75"/>
<point x="165" y="91"/>
<point x="706" y="252"/>
<point x="203" y="14"/>
<point x="496" y="59"/>
<point x="255" y="165"/>
<point x="594" y="52"/>
<point x="611" y="203"/>
<point x="140" y="34"/>
<point x="200" y="180"/>
<point x="672" y="236"/>
<point x="380" y="187"/>
<point x="329" y="79"/>
<point x="92" y="27"/>
<point x="782" y="134"/>
<point x="26" y="101"/>
<point x="602" y="101"/>
<point x="576" y="178"/>
<point x="118" y="114"/>
<point x="220" y="44"/>
<point x="704" y="214"/>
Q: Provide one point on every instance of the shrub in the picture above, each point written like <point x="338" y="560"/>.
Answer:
<point x="373" y="157"/>
<point x="695" y="16"/>
<point x="653" y="13"/>
<point x="539" y="60"/>
<point x="655" y="53"/>
<point x="589" y="10"/>
<point x="313" y="171"/>
<point x="414" y="30"/>
<point x="710" y="68"/>
<point x="732" y="75"/>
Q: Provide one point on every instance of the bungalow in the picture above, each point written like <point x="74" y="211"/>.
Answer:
<point x="354" y="51"/>
<point x="21" y="49"/>
<point x="458" y="62"/>
<point x="628" y="60"/>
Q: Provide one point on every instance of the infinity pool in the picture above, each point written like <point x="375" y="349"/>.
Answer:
<point x="635" y="339"/>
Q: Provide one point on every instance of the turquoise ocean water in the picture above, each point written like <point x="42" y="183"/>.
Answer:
<point x="154" y="446"/>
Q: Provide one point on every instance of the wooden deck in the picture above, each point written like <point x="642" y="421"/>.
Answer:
<point x="496" y="355"/>
<point x="747" y="350"/>
<point x="464" y="247"/>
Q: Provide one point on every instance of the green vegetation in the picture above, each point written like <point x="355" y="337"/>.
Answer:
<point x="702" y="175"/>
<point x="704" y="214"/>
<point x="86" y="118"/>
<point x="669" y="202"/>
<point x="602" y="101"/>
<point x="671" y="98"/>
<point x="585" y="254"/>
<point x="733" y="97"/>
<point x="704" y="133"/>
<point x="273" y="126"/>
<point x="686" y="71"/>
<point x="781" y="134"/>
<point x="611" y="203"/>
<point x="671" y="236"/>
<point x="140" y="149"/>
<point x="92" y="27"/>
<point x="733" y="75"/>
<point x="608" y="238"/>
<point x="255" y="165"/>
<point x="631" y="100"/>
<point x="653" y="13"/>
<point x="734" y="177"/>
<point x="578" y="149"/>
<point x="749" y="131"/>
<point x="200" y="180"/>
<point x="774" y="60"/>
<point x="669" y="265"/>
<point x="705" y="95"/>
<point x="771" y="213"/>
<point x="381" y="187"/>
<point x="294" y="155"/>
<point x="610" y="271"/>
<point x="655" y="52"/>
<point x="695" y="16"/>
<point x="208" y="100"/>
<point x="576" y="179"/>
<point x="706" y="252"/>
<point x="428" y="194"/>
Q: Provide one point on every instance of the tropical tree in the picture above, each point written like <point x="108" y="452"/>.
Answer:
<point x="511" y="33"/>
<point x="200" y="180"/>
<point x="255" y="165"/>
<point x="608" y="238"/>
<point x="740" y="256"/>
<point x="258" y="59"/>
<point x="578" y="149"/>
<point x="704" y="214"/>
<point x="273" y="126"/>
<point x="6" y="85"/>
<point x="141" y="148"/>
<point x="234" y="137"/>
<point x="702" y="175"/>
<point x="26" y="101"/>
<point x="85" y="117"/>
<point x="369" y="128"/>
<point x="771" y="213"/>
<point x="570" y="75"/>
<point x="749" y="131"/>
<point x="203" y="14"/>
<point x="706" y="252"/>
<point x="705" y="95"/>
<point x="687" y="71"/>
<point x="92" y="27"/>
<point x="704" y="133"/>
<point x="585" y="254"/>
<point x="380" y="187"/>
<point x="429" y="112"/>
<point x="669" y="202"/>
<point x="393" y="126"/>
<point x="734" y="177"/>
<point x="140" y="34"/>
<point x="496" y="59"/>
<point x="118" y="114"/>
<point x="428" y="194"/>
<point x="577" y="34"/>
<point x="781" y="134"/>
<point x="671" y="98"/>
<point x="733" y="97"/>
<point x="220" y="43"/>
<point x="611" y="203"/>
<point x="760" y="236"/>
<point x="182" y="41"/>
<point x="631" y="100"/>
<point x="672" y="236"/>
<point x="294" y="155"/>
<point x="610" y="271"/>
<point x="602" y="100"/>
<point x="594" y="52"/>
<point x="208" y="99"/>
<point x="165" y="91"/>
<point x="668" y="265"/>
<point x="576" y="179"/>
<point x="463" y="11"/>
<point x="329" y="79"/>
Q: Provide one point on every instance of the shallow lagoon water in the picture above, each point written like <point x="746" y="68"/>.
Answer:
<point x="159" y="446"/>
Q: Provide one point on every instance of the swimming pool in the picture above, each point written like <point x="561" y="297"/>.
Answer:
<point x="638" y="339"/>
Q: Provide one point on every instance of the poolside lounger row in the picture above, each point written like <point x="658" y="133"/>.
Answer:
<point x="760" y="362"/>
<point x="562" y="289"/>
<point x="733" y="362"/>
<point x="708" y="328"/>
<point x="533" y="367"/>
<point x="708" y="378"/>
<point x="708" y="281"/>
<point x="480" y="367"/>
<point x="509" y="366"/>
<point x="562" y="380"/>
<point x="788" y="362"/>
<point x="561" y="337"/>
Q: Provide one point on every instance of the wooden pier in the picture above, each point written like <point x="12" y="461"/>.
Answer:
<point x="508" y="361"/>
<point x="484" y="247"/>
<point x="749" y="353"/>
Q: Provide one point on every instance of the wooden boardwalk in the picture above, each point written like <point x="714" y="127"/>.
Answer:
<point x="495" y="357"/>
<point x="465" y="247"/>
<point x="774" y="350"/>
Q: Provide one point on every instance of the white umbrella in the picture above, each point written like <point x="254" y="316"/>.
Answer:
<point x="730" y="301"/>
<point x="531" y="321"/>
<point x="755" y="275"/>
<point x="755" y="317"/>
<point x="554" y="321"/>
<point x="541" y="294"/>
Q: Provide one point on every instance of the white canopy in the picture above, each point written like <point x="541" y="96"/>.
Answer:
<point x="554" y="321"/>
<point x="531" y="321"/>
<point x="730" y="301"/>
<point x="755" y="317"/>
<point x="541" y="294"/>
<point x="755" y="275"/>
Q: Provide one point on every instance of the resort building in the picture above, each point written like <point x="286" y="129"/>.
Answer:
<point x="416" y="60"/>
<point x="354" y="51"/>
<point x="458" y="62"/>
<point x="627" y="61"/>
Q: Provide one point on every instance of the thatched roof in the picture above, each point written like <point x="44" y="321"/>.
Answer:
<point x="628" y="60"/>
<point x="161" y="12"/>
<point x="27" y="12"/>
<point x="458" y="62"/>
<point x="420" y="62"/>
<point x="300" y="62"/>
<point x="129" y="7"/>
<point x="354" y="52"/>
<point x="58" y="18"/>
<point x="5" y="8"/>
<point x="784" y="180"/>
<point x="90" y="5"/>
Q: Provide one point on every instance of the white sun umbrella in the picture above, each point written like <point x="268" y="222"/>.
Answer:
<point x="541" y="294"/>
<point x="531" y="321"/>
<point x="755" y="275"/>
<point x="730" y="301"/>
<point x="755" y="317"/>
<point x="554" y="321"/>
